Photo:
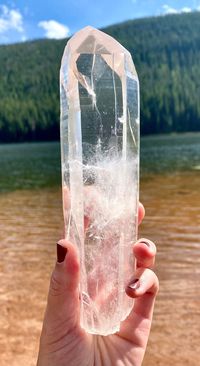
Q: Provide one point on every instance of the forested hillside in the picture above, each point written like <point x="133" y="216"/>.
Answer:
<point x="166" y="52"/>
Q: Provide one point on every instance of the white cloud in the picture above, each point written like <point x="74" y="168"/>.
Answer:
<point x="23" y="38"/>
<point x="53" y="29"/>
<point x="169" y="10"/>
<point x="186" y="10"/>
<point x="10" y="19"/>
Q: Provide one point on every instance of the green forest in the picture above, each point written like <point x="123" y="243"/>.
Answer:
<point x="166" y="52"/>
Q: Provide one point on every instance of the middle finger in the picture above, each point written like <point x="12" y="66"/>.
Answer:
<point x="144" y="252"/>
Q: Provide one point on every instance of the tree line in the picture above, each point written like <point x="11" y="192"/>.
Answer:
<point x="166" y="52"/>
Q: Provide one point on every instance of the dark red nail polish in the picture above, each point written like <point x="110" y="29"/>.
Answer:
<point x="135" y="284"/>
<point x="146" y="243"/>
<point x="61" y="253"/>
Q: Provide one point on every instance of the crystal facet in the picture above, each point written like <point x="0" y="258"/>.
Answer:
<point x="100" y="164"/>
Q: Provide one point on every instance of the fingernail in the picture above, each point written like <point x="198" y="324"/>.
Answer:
<point x="135" y="284"/>
<point x="146" y="243"/>
<point x="61" y="253"/>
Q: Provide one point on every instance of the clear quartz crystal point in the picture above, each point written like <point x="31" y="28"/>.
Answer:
<point x="100" y="164"/>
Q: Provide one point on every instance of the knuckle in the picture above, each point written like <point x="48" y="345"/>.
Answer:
<point x="157" y="285"/>
<point x="56" y="284"/>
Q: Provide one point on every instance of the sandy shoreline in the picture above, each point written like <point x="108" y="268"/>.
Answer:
<point x="30" y="225"/>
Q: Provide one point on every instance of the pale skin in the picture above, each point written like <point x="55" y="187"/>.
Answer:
<point x="64" y="343"/>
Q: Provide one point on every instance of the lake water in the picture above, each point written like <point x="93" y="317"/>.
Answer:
<point x="31" y="223"/>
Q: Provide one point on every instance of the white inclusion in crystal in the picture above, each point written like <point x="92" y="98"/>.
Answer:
<point x="100" y="169"/>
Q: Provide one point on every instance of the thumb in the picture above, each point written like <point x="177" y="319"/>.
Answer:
<point x="62" y="312"/>
<point x="65" y="277"/>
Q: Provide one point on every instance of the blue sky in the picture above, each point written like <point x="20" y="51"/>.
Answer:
<point x="21" y="20"/>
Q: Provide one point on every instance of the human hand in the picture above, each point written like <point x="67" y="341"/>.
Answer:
<point x="64" y="343"/>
